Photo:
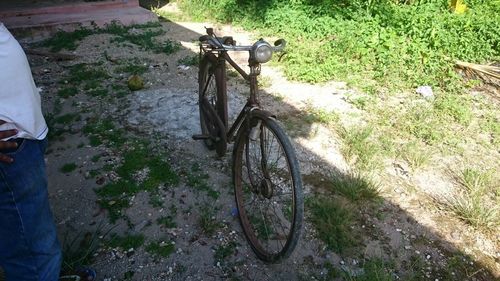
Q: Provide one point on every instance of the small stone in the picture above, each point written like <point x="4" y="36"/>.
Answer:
<point x="407" y="247"/>
<point x="425" y="92"/>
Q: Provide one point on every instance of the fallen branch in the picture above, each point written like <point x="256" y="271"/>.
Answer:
<point x="57" y="56"/>
<point x="488" y="70"/>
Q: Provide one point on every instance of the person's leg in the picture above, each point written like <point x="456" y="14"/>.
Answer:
<point x="29" y="248"/>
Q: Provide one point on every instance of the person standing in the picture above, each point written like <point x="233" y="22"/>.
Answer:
<point x="29" y="247"/>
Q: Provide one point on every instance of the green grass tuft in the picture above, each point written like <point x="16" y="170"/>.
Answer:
<point x="161" y="248"/>
<point x="333" y="221"/>
<point x="207" y="221"/>
<point x="126" y="242"/>
<point x="67" y="92"/>
<point x="68" y="168"/>
<point x="360" y="148"/>
<point x="355" y="187"/>
<point x="189" y="60"/>
<point x="167" y="221"/>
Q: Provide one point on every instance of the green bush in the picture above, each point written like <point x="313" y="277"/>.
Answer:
<point x="398" y="43"/>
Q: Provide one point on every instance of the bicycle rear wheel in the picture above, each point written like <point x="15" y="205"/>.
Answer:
<point x="268" y="188"/>
<point x="212" y="105"/>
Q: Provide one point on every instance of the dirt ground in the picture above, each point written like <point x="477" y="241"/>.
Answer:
<point x="419" y="240"/>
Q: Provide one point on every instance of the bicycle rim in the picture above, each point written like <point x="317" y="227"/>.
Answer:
<point x="268" y="190"/>
<point x="210" y="122"/>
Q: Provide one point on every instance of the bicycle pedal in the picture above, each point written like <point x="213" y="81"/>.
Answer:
<point x="200" y="137"/>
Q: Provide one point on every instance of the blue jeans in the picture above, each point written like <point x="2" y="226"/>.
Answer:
<point x="29" y="248"/>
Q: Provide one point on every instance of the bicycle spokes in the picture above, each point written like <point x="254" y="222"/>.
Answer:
<point x="269" y="200"/>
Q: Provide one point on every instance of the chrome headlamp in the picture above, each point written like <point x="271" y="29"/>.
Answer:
<point x="262" y="51"/>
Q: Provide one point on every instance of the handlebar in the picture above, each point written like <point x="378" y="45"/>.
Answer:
<point x="227" y="43"/>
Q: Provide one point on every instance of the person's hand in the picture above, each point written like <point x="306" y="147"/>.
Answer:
<point x="6" y="144"/>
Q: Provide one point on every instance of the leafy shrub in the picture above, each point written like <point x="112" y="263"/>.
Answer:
<point x="398" y="43"/>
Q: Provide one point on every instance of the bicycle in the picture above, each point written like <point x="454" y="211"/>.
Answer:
<point x="266" y="174"/>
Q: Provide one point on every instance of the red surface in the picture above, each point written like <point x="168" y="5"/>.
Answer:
<point x="70" y="16"/>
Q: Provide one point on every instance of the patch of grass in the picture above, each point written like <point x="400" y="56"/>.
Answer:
<point x="160" y="171"/>
<point x="103" y="130"/>
<point x="93" y="173"/>
<point x="456" y="106"/>
<point x="475" y="181"/>
<point x="166" y="221"/>
<point x="94" y="141"/>
<point x="423" y="123"/>
<point x="161" y="248"/>
<point x="265" y="81"/>
<point x="415" y="269"/>
<point x="232" y="73"/>
<point x="475" y="200"/>
<point x="313" y="115"/>
<point x="192" y="60"/>
<point x="155" y="200"/>
<point x="67" y="92"/>
<point x="355" y="187"/>
<point x="416" y="155"/>
<point x="120" y="90"/>
<point x="207" y="221"/>
<point x="360" y="148"/>
<point x="114" y="206"/>
<point x="132" y="68"/>
<point x="170" y="16"/>
<point x="146" y="40"/>
<point x="118" y="189"/>
<point x="224" y="251"/>
<point x="68" y="168"/>
<point x="126" y="242"/>
<point x="115" y="196"/>
<point x="361" y="102"/>
<point x="128" y="275"/>
<point x="332" y="220"/>
<point x="374" y="270"/>
<point x="97" y="92"/>
<point x="86" y="73"/>
<point x="474" y="210"/>
<point x="67" y="40"/>
<point x="79" y="251"/>
<point x="198" y="180"/>
<point x="96" y="158"/>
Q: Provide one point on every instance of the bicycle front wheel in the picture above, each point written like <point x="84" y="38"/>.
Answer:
<point x="212" y="104"/>
<point x="268" y="188"/>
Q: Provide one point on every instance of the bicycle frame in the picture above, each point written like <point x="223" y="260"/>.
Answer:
<point x="252" y="103"/>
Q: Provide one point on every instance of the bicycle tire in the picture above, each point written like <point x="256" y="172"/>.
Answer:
<point x="263" y="194"/>
<point x="211" y="84"/>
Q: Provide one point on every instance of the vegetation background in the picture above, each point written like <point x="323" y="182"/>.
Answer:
<point x="387" y="49"/>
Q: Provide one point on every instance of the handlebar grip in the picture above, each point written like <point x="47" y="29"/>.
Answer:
<point x="280" y="44"/>
<point x="204" y="38"/>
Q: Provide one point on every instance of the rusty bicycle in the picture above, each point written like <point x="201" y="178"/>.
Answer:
<point x="266" y="174"/>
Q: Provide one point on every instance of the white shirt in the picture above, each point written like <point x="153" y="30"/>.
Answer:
<point x="20" y="105"/>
